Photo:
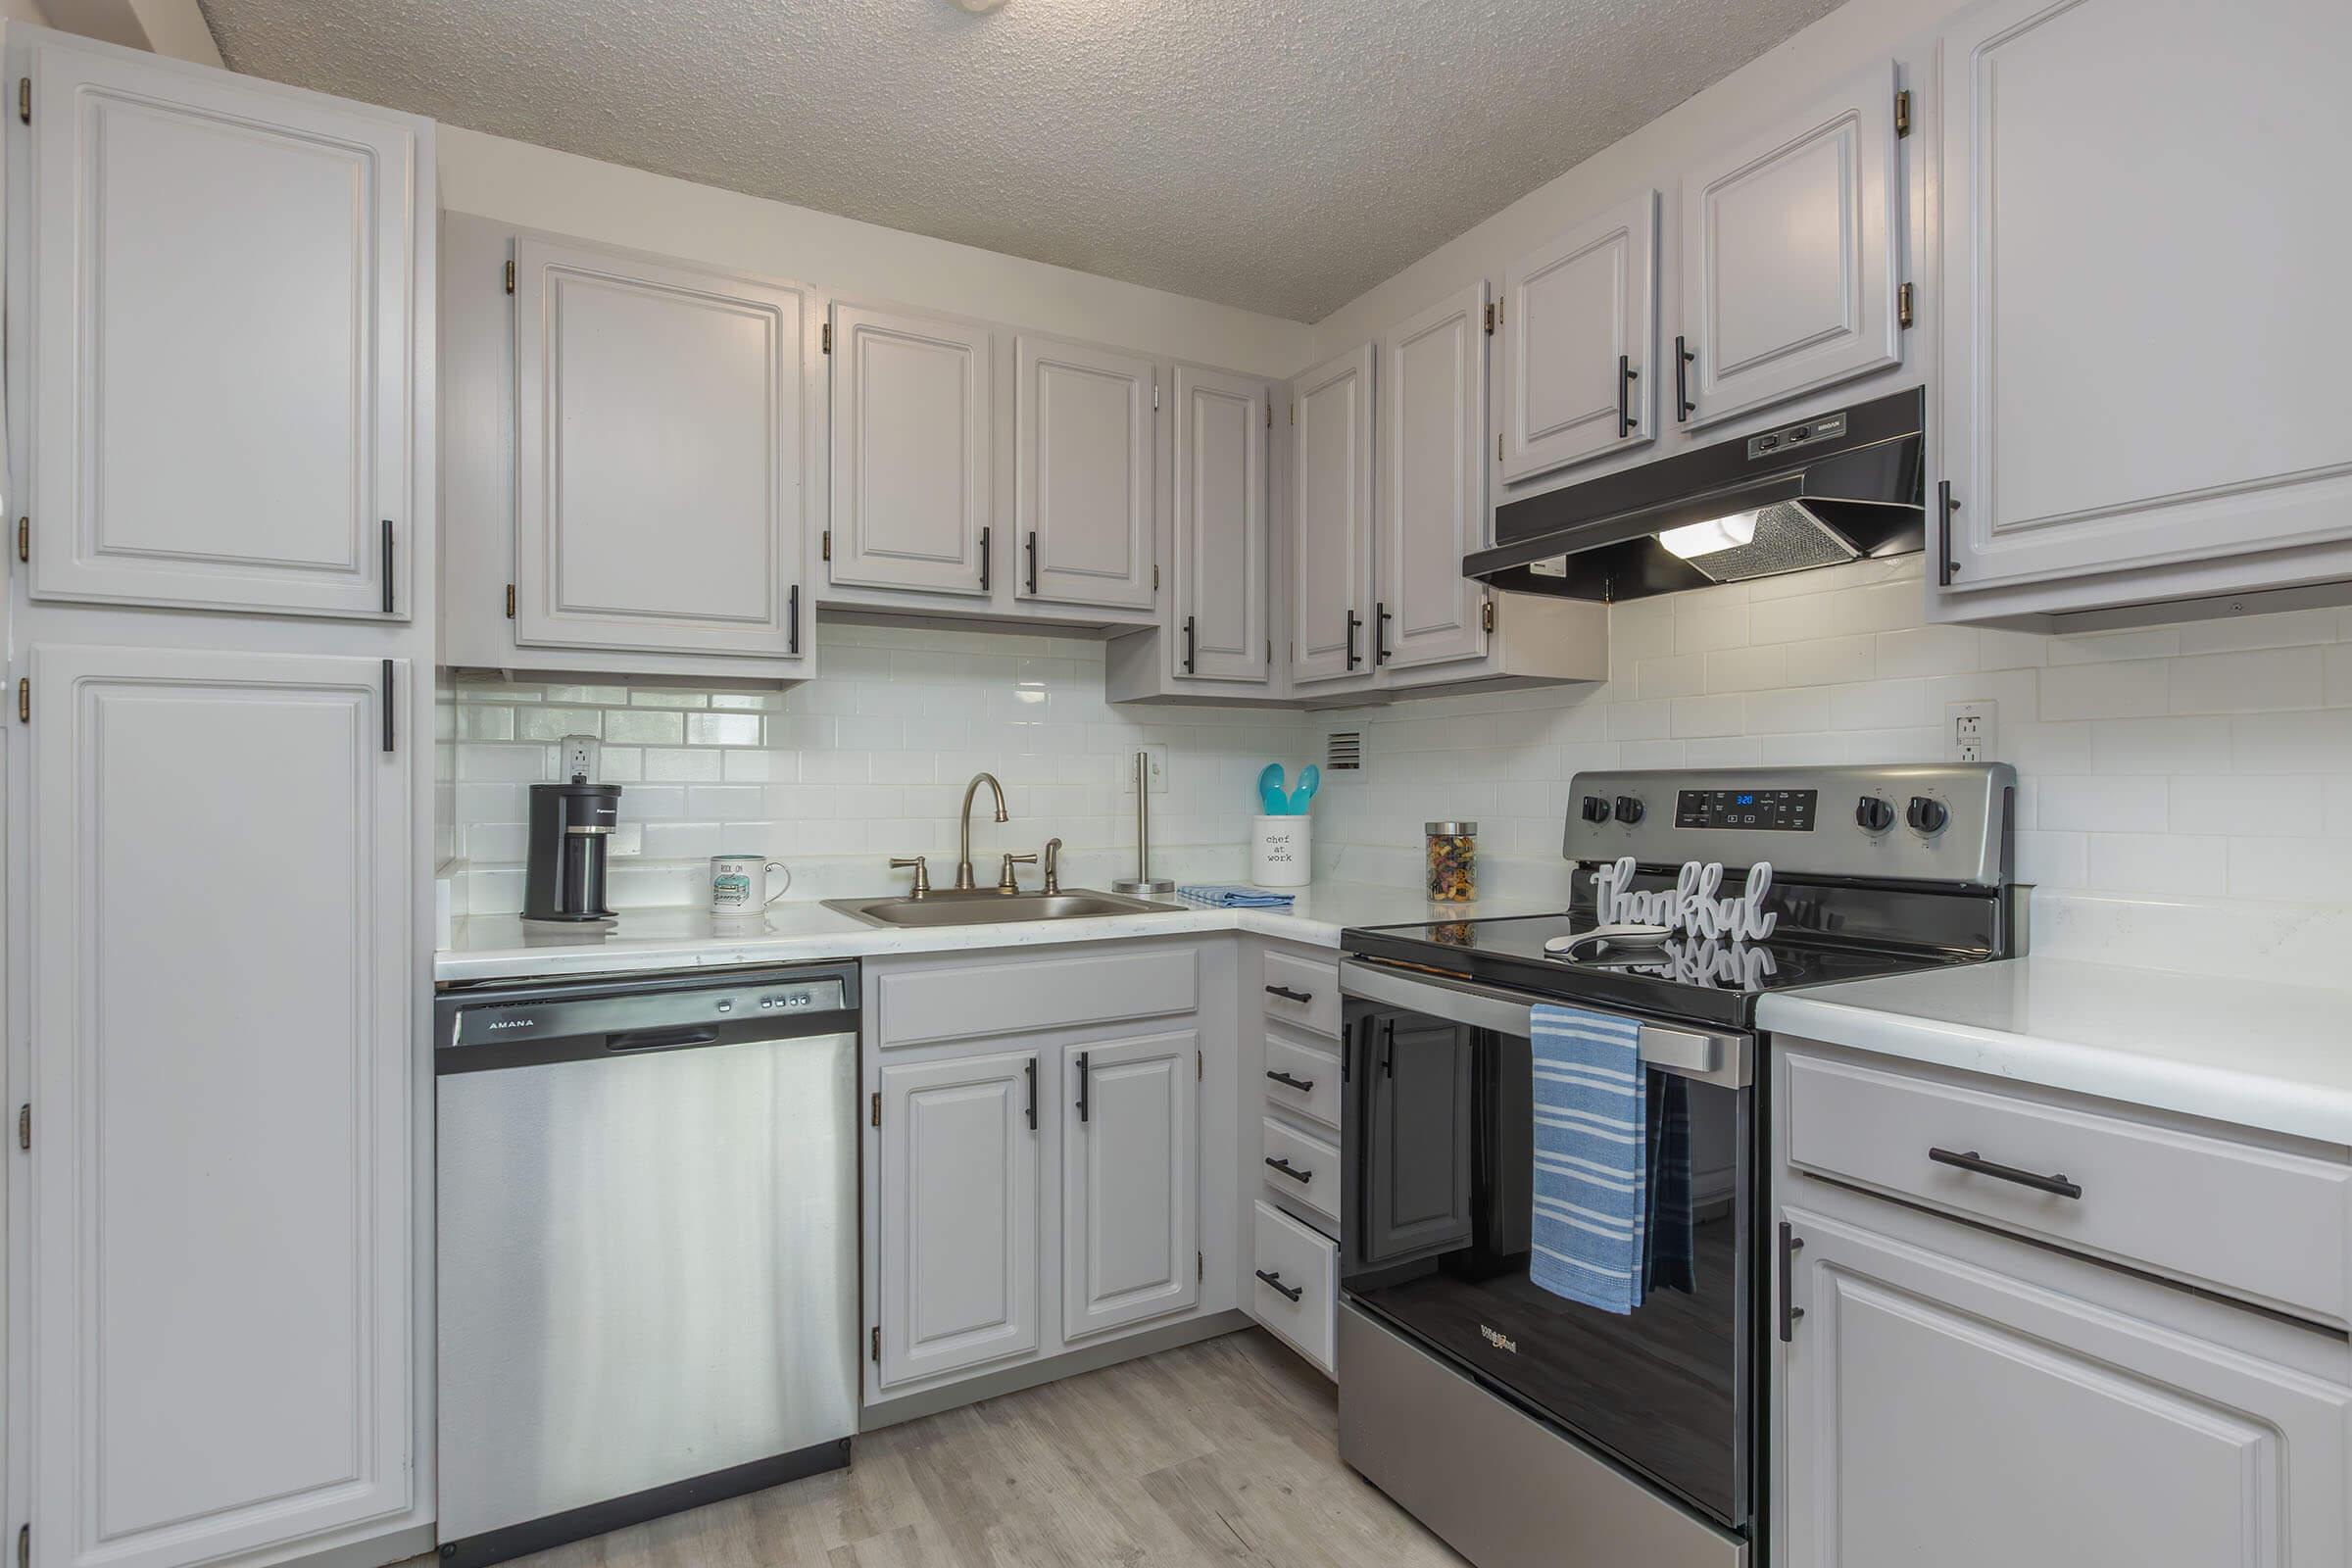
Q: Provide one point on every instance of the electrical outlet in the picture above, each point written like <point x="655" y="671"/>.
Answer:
<point x="1971" y="731"/>
<point x="1159" y="770"/>
<point x="578" y="758"/>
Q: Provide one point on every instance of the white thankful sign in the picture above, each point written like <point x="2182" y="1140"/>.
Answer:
<point x="1690" y="905"/>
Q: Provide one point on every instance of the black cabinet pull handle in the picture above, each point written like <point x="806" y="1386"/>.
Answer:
<point x="1191" y="662"/>
<point x="1031" y="545"/>
<point x="1082" y="1102"/>
<point x="1627" y="375"/>
<point x="1970" y="1160"/>
<point x="388" y="732"/>
<point x="1380" y="631"/>
<point x="1305" y="1086"/>
<point x="1789" y="1310"/>
<point x="1031" y="1070"/>
<point x="984" y="561"/>
<point x="1274" y="1283"/>
<point x="1683" y="408"/>
<point x="792" y="618"/>
<point x="1301" y="1177"/>
<point x="1388" y="1049"/>
<point x="1303" y="998"/>
<point x="387" y="565"/>
<point x="1945" y="506"/>
<point x="1354" y="623"/>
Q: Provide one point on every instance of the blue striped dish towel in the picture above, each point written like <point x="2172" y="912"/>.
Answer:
<point x="1592" y="1138"/>
<point x="1233" y="898"/>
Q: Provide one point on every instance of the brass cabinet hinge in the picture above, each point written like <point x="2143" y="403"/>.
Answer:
<point x="826" y="545"/>
<point x="824" y="337"/>
<point x="1486" y="615"/>
<point x="875" y="1114"/>
<point x="510" y="277"/>
<point x="25" y="99"/>
<point x="24" y="1125"/>
<point x="1902" y="305"/>
<point x="24" y="701"/>
<point x="877" y="1344"/>
<point x="510" y="601"/>
<point x="1902" y="113"/>
<point x="24" y="538"/>
<point x="1490" y="320"/>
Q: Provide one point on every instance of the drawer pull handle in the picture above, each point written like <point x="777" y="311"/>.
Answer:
<point x="1791" y="1246"/>
<point x="1971" y="1160"/>
<point x="1274" y="1283"/>
<point x="1305" y="1086"/>
<point x="1290" y="1170"/>
<point x="1303" y="998"/>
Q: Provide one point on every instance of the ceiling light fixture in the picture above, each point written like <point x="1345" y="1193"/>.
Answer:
<point x="1712" y="536"/>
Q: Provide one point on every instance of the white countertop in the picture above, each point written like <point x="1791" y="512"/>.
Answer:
<point x="2254" y="1053"/>
<point x="506" y="948"/>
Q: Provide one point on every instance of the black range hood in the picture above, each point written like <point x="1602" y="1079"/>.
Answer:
<point x="1843" y="485"/>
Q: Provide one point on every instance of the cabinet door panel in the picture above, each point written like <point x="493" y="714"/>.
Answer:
<point x="1420" y="1134"/>
<point x="1331" y="521"/>
<point x="1925" y="1397"/>
<point x="1571" y="310"/>
<point x="1083" y="481"/>
<point x="959" y="1215"/>
<point x="1220" y="531"/>
<point x="1129" y="1170"/>
<point x="661" y="438"/>
<point x="1433" y="496"/>
<point x="221" y="985"/>
<point x="1791" y="253"/>
<point x="2143" y="336"/>
<point x="911" y="430"/>
<point x="224" y="380"/>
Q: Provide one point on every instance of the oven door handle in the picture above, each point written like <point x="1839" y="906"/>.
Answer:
<point x="1706" y="1055"/>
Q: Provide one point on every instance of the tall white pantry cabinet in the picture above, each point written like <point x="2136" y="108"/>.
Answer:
<point x="222" y="449"/>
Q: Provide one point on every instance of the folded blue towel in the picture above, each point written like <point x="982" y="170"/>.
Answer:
<point x="1592" y="1136"/>
<point x="1233" y="898"/>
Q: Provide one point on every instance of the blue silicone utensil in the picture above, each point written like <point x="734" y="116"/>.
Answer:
<point x="1305" y="795"/>
<point x="1269" y="791"/>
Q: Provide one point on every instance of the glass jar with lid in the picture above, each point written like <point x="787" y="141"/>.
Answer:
<point x="1452" y="861"/>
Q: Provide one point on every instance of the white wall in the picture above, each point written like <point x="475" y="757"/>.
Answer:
<point x="536" y="187"/>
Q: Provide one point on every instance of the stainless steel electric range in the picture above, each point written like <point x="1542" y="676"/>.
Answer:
<point x="1526" y="1427"/>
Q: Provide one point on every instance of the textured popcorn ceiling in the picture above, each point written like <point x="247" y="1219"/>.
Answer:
<point x="1280" y="155"/>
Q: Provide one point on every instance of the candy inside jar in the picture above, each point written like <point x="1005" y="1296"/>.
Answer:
<point x="1452" y="861"/>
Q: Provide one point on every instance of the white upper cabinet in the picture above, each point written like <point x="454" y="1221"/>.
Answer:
<point x="1220" y="559"/>
<point x="1131" y="1171"/>
<point x="226" y="294"/>
<point x="2144" y="329"/>
<point x="913" y="427"/>
<point x="663" y="434"/>
<point x="1433" y="420"/>
<point x="959" y="1215"/>
<point x="222" y="986"/>
<point x="1579" y="329"/>
<point x="1331" y="519"/>
<point x="1084" y="423"/>
<point x="1792" y="248"/>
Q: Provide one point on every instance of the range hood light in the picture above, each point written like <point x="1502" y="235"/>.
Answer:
<point x="1715" y="535"/>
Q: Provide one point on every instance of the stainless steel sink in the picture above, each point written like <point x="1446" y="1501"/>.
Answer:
<point x="988" y="907"/>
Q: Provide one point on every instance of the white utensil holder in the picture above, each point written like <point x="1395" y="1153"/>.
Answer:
<point x="1280" y="852"/>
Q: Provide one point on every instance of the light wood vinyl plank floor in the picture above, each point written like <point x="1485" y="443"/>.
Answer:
<point x="1224" y="1453"/>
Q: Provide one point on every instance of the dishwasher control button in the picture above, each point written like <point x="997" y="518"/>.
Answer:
<point x="726" y="1007"/>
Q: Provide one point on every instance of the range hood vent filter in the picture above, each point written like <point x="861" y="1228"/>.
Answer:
<point x="1788" y="538"/>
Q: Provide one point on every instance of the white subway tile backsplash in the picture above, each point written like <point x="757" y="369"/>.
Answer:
<point x="2123" y="689"/>
<point x="2270" y="678"/>
<point x="2159" y="863"/>
<point x="1928" y="651"/>
<point x="2103" y="804"/>
<point x="1828" y="660"/>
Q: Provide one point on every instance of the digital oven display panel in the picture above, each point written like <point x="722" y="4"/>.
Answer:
<point x="1773" y="810"/>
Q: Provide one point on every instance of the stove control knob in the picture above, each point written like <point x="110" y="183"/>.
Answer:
<point x="1926" y="815"/>
<point x="1629" y="810"/>
<point x="1595" y="809"/>
<point x="1874" y="812"/>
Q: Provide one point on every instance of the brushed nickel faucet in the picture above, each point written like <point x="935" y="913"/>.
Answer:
<point x="964" y="856"/>
<point x="1052" y="865"/>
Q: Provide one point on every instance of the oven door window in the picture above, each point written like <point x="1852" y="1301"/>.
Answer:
<point x="1440" y="1160"/>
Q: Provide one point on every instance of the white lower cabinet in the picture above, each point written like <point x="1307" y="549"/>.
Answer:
<point x="1941" y="1414"/>
<point x="1294" y="1284"/>
<point x="221" y="992"/>
<point x="959" y="1215"/>
<point x="1130" y="1181"/>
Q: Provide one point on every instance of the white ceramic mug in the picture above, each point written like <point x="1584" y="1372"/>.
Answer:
<point x="739" y="883"/>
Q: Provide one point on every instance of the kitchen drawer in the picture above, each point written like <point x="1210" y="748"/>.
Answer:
<point x="1304" y="993"/>
<point x="926" y="1007"/>
<point x="1316" y="1163"/>
<point x="1297" y="1260"/>
<point x="2261" y="1224"/>
<point x="1303" y="1064"/>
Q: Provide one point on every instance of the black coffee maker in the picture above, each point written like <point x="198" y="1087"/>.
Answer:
<point x="571" y="827"/>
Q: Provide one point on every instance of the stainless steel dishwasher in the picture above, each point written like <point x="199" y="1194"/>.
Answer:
<point x="648" y="1248"/>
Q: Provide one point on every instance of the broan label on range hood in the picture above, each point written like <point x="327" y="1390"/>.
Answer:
<point x="1843" y="484"/>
